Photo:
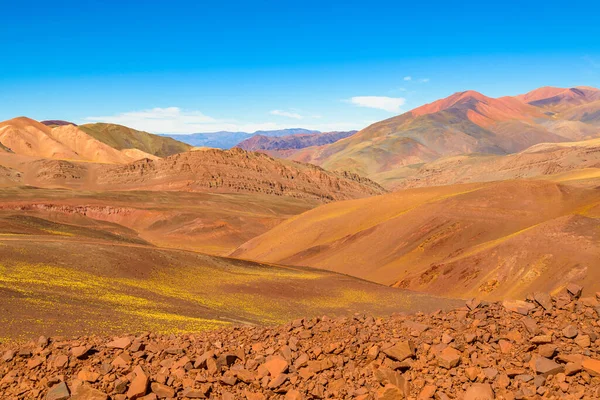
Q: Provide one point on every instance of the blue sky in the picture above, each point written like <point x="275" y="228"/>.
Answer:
<point x="197" y="66"/>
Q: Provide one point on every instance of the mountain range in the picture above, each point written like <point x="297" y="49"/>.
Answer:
<point x="227" y="140"/>
<point x="463" y="123"/>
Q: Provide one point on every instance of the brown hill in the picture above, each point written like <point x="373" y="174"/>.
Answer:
<point x="31" y="138"/>
<point x="493" y="240"/>
<point x="86" y="147"/>
<point x="121" y="138"/>
<point x="464" y="123"/>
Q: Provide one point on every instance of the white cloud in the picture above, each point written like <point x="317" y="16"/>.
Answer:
<point x="176" y="120"/>
<point x="287" y="114"/>
<point x="408" y="78"/>
<point x="424" y="80"/>
<point x="390" y="104"/>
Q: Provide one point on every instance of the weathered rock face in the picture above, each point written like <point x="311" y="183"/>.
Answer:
<point x="237" y="170"/>
<point x="481" y="351"/>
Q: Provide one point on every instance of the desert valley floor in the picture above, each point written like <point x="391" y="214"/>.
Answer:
<point x="451" y="252"/>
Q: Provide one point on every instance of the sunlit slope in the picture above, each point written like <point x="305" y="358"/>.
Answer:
<point x="121" y="137"/>
<point x="551" y="161"/>
<point x="30" y="138"/>
<point x="454" y="240"/>
<point x="57" y="279"/>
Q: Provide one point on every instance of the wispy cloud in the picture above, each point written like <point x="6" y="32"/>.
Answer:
<point x="390" y="104"/>
<point x="177" y="120"/>
<point x="287" y="114"/>
<point x="424" y="80"/>
<point x="408" y="78"/>
<point x="594" y="63"/>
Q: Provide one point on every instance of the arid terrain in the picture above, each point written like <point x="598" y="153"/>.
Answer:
<point x="307" y="265"/>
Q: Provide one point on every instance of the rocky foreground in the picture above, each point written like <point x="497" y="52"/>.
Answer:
<point x="547" y="347"/>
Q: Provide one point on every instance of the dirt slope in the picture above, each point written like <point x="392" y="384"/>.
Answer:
<point x="492" y="240"/>
<point x="60" y="278"/>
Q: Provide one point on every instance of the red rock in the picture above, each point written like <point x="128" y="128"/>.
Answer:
<point x="427" y="392"/>
<point x="276" y="365"/>
<point x="293" y="395"/>
<point x="544" y="366"/>
<point x="518" y="306"/>
<point x="84" y="392"/>
<point x="479" y="391"/>
<point x="591" y="366"/>
<point x="401" y="351"/>
<point x="79" y="351"/>
<point x="120" y="343"/>
<point x="139" y="384"/>
<point x="58" y="392"/>
<point x="389" y="392"/>
<point x="570" y="331"/>
<point x="162" y="390"/>
<point x="449" y="358"/>
<point x="574" y="289"/>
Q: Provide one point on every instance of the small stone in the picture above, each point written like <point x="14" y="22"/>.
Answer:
<point x="84" y="392"/>
<point x="570" y="331"/>
<point x="389" y="392"/>
<point x="427" y="393"/>
<point x="574" y="289"/>
<point x="591" y="366"/>
<point x="58" y="392"/>
<point x="544" y="300"/>
<point x="583" y="341"/>
<point x="479" y="391"/>
<point x="541" y="339"/>
<point x="293" y="395"/>
<point x="449" y="358"/>
<point x="276" y="365"/>
<point x="194" y="393"/>
<point x="401" y="351"/>
<point x="120" y="343"/>
<point x="139" y="384"/>
<point x="80" y="351"/>
<point x="572" y="368"/>
<point x="518" y="306"/>
<point x="162" y="390"/>
<point x="545" y="366"/>
<point x="547" y="350"/>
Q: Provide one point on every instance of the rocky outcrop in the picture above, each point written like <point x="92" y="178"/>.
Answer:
<point x="545" y="347"/>
<point x="236" y="170"/>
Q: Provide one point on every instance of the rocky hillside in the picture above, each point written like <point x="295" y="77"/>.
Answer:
<point x="546" y="347"/>
<point x="292" y="142"/>
<point x="236" y="171"/>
